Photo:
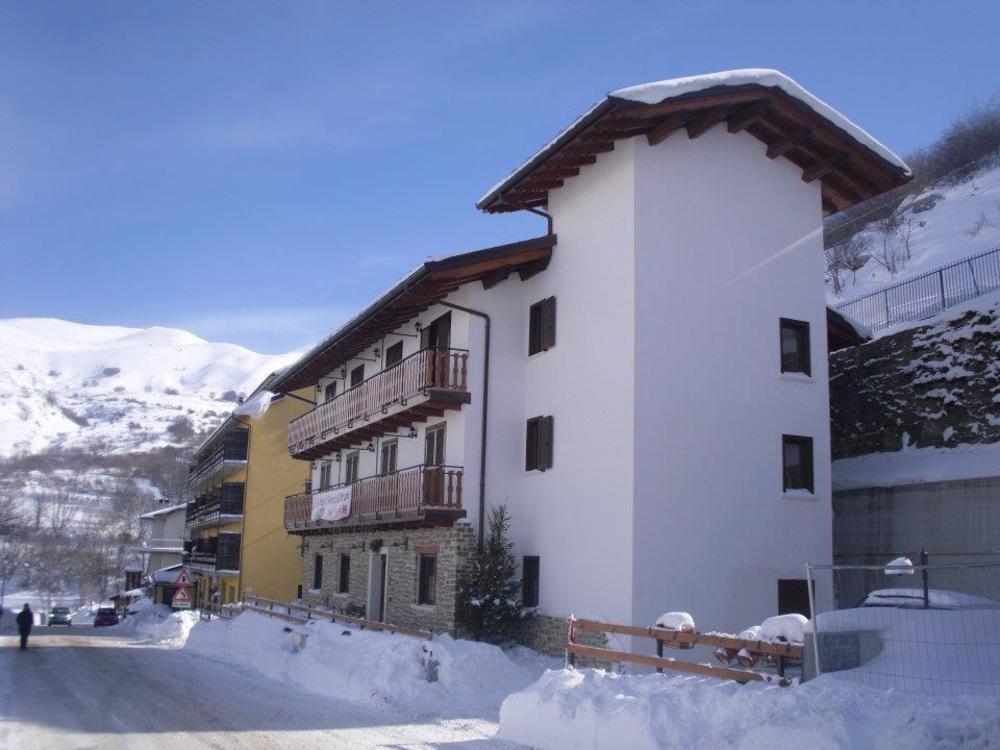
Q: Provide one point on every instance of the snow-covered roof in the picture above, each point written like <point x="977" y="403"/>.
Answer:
<point x="711" y="90"/>
<point x="164" y="511"/>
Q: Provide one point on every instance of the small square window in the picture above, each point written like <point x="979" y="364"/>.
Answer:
<point x="357" y="375"/>
<point x="795" y="346"/>
<point x="538" y="444"/>
<point x="797" y="462"/>
<point x="529" y="581"/>
<point x="394" y="354"/>
<point x="428" y="579"/>
<point x="330" y="391"/>
<point x="344" y="579"/>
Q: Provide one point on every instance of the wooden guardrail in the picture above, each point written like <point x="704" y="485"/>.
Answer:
<point x="680" y="639"/>
<point x="253" y="604"/>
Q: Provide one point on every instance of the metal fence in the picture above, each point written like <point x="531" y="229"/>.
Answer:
<point x="927" y="294"/>
<point x="915" y="628"/>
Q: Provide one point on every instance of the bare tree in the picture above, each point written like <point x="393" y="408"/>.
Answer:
<point x="888" y="252"/>
<point x="847" y="258"/>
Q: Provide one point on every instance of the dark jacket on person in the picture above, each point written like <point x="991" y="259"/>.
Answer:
<point x="25" y="619"/>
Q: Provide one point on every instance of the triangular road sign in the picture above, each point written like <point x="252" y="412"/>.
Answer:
<point x="181" y="600"/>
<point x="183" y="580"/>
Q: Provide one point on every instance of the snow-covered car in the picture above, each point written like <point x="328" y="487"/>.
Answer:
<point x="60" y="616"/>
<point x="105" y="616"/>
<point x="914" y="598"/>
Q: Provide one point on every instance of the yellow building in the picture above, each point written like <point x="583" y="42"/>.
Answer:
<point x="239" y="479"/>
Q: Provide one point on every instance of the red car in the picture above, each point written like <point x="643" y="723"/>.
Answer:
<point x="105" y="616"/>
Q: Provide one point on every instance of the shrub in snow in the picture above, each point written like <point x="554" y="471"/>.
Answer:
<point x="489" y="598"/>
<point x="789" y="628"/>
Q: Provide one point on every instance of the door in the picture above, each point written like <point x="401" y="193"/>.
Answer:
<point x="378" y="584"/>
<point x="437" y="336"/>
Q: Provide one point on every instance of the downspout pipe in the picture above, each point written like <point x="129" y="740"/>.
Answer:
<point x="486" y="399"/>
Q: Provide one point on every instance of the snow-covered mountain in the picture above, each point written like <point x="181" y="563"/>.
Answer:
<point x="120" y="390"/>
<point x="943" y="224"/>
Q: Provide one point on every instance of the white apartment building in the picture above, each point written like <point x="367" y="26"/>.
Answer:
<point x="644" y="387"/>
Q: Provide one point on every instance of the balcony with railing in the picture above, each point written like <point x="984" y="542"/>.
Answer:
<point x="218" y="555"/>
<point x="221" y="463"/>
<point x="220" y="506"/>
<point x="423" y="385"/>
<point x="418" y="494"/>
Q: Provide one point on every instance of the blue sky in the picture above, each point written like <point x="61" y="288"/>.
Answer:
<point x="255" y="172"/>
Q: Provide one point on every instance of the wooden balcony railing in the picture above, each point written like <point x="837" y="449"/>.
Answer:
<point x="423" y="371"/>
<point x="408" y="492"/>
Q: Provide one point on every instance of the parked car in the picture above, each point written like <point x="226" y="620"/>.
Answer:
<point x="60" y="616"/>
<point x="105" y="616"/>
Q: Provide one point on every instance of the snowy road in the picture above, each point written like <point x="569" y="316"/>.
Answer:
<point x="81" y="688"/>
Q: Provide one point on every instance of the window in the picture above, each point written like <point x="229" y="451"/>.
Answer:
<point x="330" y="391"/>
<point x="538" y="444"/>
<point x="529" y="581"/>
<point x="542" y="326"/>
<point x="318" y="572"/>
<point x="793" y="596"/>
<point x="351" y="467"/>
<point x="394" y="354"/>
<point x="357" y="375"/>
<point x="389" y="450"/>
<point x="797" y="462"/>
<point x="438" y="334"/>
<point x="344" y="579"/>
<point x="427" y="573"/>
<point x="325" y="475"/>
<point x="434" y="445"/>
<point x="795" y="346"/>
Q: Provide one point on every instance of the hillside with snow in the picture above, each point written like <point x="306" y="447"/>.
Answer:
<point x="939" y="225"/>
<point x="116" y="390"/>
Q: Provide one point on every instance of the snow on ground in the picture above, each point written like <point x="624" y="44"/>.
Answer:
<point x="156" y="623"/>
<point x="944" y="222"/>
<point x="377" y="669"/>
<point x="577" y="710"/>
<point x="916" y="465"/>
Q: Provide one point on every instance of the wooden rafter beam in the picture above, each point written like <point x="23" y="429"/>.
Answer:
<point x="825" y="167"/>
<point x="560" y="161"/>
<point x="788" y="142"/>
<point x="663" y="129"/>
<point x="553" y="172"/>
<point x="530" y="269"/>
<point x="702" y="102"/>
<point x="493" y="278"/>
<point x="747" y="115"/>
<point x="702" y="122"/>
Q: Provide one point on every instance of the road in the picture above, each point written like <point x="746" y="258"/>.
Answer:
<point x="80" y="688"/>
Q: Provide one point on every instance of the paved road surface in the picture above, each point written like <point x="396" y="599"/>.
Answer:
<point x="84" y="688"/>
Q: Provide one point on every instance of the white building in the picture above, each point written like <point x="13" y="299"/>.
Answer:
<point x="163" y="542"/>
<point x="653" y="405"/>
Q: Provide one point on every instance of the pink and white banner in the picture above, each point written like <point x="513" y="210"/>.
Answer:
<point x="331" y="505"/>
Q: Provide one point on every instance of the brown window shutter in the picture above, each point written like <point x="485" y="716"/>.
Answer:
<point x="549" y="323"/>
<point x="545" y="428"/>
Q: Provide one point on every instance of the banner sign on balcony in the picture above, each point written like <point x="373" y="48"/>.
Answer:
<point x="331" y="505"/>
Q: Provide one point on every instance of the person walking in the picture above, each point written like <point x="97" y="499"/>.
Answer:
<point x="25" y="619"/>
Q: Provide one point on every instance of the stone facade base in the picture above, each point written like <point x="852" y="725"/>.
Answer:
<point x="453" y="547"/>
<point x="547" y="634"/>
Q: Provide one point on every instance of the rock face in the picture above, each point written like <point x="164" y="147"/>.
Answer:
<point x="936" y="385"/>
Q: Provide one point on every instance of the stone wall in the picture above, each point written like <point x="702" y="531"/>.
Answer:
<point x="935" y="385"/>
<point x="454" y="547"/>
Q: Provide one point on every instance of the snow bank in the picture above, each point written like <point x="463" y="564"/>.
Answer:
<point x="916" y="465"/>
<point x="156" y="623"/>
<point x="577" y="710"/>
<point x="790" y="628"/>
<point x="366" y="666"/>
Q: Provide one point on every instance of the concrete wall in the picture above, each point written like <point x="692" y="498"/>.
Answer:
<point x="955" y="521"/>
<point x="729" y="241"/>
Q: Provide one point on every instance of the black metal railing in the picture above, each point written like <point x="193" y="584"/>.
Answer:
<point x="220" y="503"/>
<point x="927" y="294"/>
<point x="215" y="553"/>
<point x="234" y="448"/>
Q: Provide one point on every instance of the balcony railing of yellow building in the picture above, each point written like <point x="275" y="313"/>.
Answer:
<point x="418" y="493"/>
<point x="231" y="455"/>
<point x="424" y="384"/>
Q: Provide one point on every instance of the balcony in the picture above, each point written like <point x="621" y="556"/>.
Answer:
<point x="221" y="463"/>
<point x="217" y="555"/>
<point x="221" y="506"/>
<point x="160" y="545"/>
<point x="422" y="494"/>
<point x="425" y="384"/>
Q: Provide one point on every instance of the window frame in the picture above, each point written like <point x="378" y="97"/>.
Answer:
<point x="390" y="450"/>
<point x="344" y="573"/>
<point x="358" y="371"/>
<point x="539" y="443"/>
<point x="325" y="475"/>
<point x="541" y="326"/>
<point x="317" y="572"/>
<point x="394" y="350"/>
<point x="427" y="581"/>
<point x="801" y="329"/>
<point x="436" y="455"/>
<point x="352" y="459"/>
<point x="536" y="562"/>
<point x="330" y="391"/>
<point x="804" y="443"/>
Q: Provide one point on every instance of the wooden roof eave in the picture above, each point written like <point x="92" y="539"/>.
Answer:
<point x="433" y="280"/>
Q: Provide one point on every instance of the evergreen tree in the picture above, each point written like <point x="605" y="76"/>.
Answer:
<point x="489" y="592"/>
